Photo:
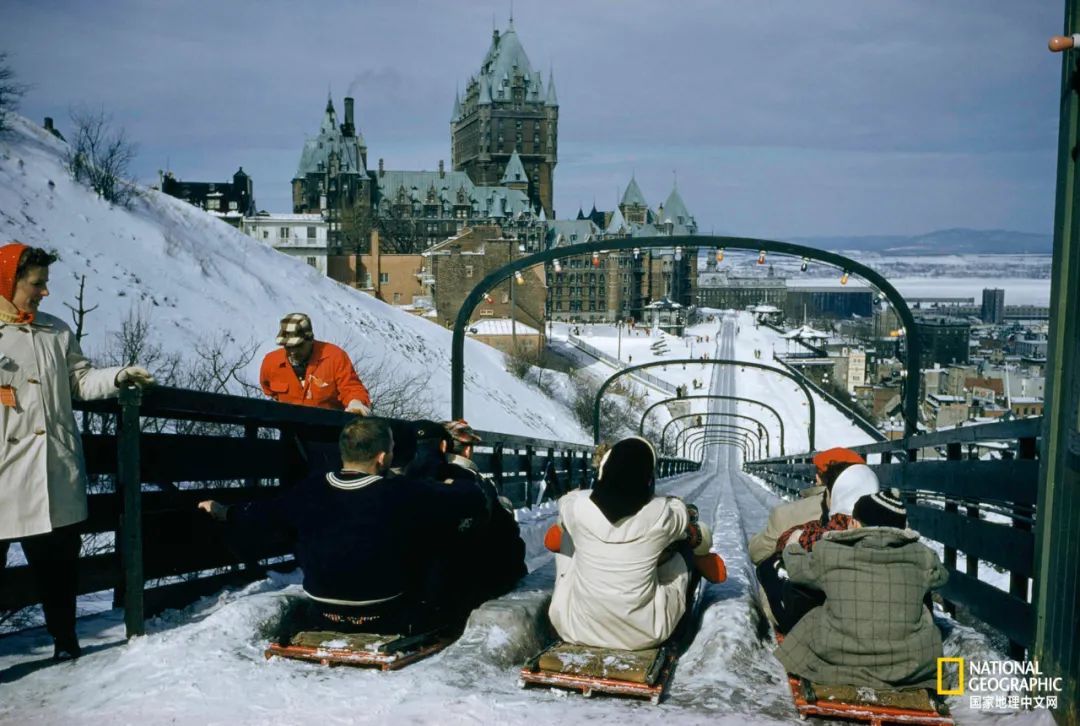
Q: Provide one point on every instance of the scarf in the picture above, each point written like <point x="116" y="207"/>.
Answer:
<point x="10" y="254"/>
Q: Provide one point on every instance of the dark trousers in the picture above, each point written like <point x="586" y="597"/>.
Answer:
<point x="54" y="559"/>
<point x="397" y="617"/>
<point x="788" y="602"/>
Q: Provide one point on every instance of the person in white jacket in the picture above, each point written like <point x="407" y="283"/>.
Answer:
<point x="42" y="475"/>
<point x="619" y="583"/>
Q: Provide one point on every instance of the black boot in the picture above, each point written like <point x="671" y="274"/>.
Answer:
<point x="66" y="648"/>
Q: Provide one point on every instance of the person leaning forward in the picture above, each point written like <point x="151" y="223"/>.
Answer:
<point x="311" y="372"/>
<point x="361" y="533"/>
<point x="42" y="473"/>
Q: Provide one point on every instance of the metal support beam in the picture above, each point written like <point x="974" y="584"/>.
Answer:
<point x="911" y="386"/>
<point x="711" y="362"/>
<point x="703" y="431"/>
<point x="698" y="447"/>
<point x="762" y="429"/>
<point x="779" y="419"/>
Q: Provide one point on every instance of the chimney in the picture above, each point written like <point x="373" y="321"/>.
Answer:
<point x="442" y="170"/>
<point x="381" y="170"/>
<point x="48" y="123"/>
<point x="350" y="129"/>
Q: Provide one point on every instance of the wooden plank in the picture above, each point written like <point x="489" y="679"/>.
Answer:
<point x="996" y="608"/>
<point x="1013" y="481"/>
<point x="1005" y="546"/>
<point x="96" y="573"/>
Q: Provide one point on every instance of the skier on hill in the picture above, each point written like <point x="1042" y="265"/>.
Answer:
<point x="626" y="564"/>
<point x="311" y="372"/>
<point x="485" y="558"/>
<point x="358" y="534"/>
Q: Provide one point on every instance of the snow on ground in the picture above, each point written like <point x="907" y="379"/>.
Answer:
<point x="197" y="279"/>
<point x="204" y="665"/>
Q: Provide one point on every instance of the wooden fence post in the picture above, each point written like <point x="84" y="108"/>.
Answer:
<point x="129" y="482"/>
<point x="953" y="452"/>
<point x="1026" y="448"/>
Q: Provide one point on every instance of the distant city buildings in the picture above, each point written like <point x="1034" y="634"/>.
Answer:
<point x="993" y="306"/>
<point x="231" y="201"/>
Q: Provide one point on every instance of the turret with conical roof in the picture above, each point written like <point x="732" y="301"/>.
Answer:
<point x="506" y="109"/>
<point x="633" y="206"/>
<point x="331" y="177"/>
<point x="676" y="214"/>
<point x="514" y="176"/>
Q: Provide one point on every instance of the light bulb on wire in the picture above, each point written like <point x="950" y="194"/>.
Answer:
<point x="761" y="257"/>
<point x="719" y="254"/>
<point x="805" y="264"/>
<point x="844" y="278"/>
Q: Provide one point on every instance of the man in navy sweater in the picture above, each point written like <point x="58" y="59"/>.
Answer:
<point x="359" y="532"/>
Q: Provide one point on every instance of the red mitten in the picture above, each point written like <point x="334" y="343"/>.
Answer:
<point x="553" y="538"/>
<point x="711" y="567"/>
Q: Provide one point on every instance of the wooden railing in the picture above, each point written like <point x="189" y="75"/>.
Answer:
<point x="166" y="449"/>
<point x="981" y="508"/>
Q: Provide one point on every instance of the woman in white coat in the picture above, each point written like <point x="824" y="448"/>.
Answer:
<point x="617" y="583"/>
<point x="42" y="477"/>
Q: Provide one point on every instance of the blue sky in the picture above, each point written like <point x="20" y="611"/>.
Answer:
<point x="780" y="119"/>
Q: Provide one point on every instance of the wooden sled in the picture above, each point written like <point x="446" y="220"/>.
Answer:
<point x="877" y="707"/>
<point x="365" y="650"/>
<point x="641" y="673"/>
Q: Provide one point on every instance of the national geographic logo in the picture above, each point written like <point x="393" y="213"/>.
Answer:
<point x="992" y="684"/>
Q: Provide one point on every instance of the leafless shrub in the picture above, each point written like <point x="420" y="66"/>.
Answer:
<point x="619" y="408"/>
<point x="100" y="155"/>
<point x="521" y="360"/>
<point x="393" y="394"/>
<point x="11" y="91"/>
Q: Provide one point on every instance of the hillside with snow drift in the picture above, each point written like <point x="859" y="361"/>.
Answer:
<point x="196" y="279"/>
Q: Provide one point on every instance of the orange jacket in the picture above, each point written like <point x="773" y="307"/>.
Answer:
<point x="330" y="379"/>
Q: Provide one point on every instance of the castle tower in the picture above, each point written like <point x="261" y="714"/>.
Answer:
<point x="506" y="109"/>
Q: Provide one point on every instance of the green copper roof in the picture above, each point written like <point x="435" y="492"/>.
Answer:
<point x="633" y="195"/>
<point x="675" y="209"/>
<point x="449" y="189"/>
<point x="515" y="171"/>
<point x="330" y="140"/>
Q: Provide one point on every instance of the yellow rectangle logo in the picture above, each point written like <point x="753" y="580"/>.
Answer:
<point x="940" y="677"/>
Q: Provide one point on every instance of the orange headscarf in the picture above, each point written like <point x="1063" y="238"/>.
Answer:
<point x="10" y="254"/>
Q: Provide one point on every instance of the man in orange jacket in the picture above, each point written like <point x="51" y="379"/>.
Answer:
<point x="311" y="372"/>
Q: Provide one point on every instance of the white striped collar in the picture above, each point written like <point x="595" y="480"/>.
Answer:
<point x="348" y="482"/>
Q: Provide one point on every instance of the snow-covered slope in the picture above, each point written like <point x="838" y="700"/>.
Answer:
<point x="196" y="279"/>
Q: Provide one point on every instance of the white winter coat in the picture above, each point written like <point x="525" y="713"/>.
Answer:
<point x="611" y="592"/>
<point x="42" y="475"/>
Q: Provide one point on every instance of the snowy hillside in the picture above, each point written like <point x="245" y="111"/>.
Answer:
<point x="197" y="280"/>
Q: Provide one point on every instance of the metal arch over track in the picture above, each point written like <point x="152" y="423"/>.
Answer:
<point x="712" y="361"/>
<point x="914" y="348"/>
<point x="761" y="427"/>
<point x="745" y="431"/>
<point x="705" y="430"/>
<point x="700" y="444"/>
<point x="779" y="418"/>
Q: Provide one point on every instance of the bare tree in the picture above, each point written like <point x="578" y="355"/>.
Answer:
<point x="100" y="155"/>
<point x="78" y="315"/>
<point x="11" y="91"/>
<point x="396" y="395"/>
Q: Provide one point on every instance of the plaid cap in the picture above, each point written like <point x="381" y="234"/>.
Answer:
<point x="462" y="432"/>
<point x="295" y="329"/>
<point x="838" y="455"/>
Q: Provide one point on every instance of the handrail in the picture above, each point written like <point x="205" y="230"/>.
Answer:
<point x="947" y="499"/>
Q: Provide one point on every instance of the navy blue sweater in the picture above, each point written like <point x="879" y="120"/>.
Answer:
<point x="362" y="537"/>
